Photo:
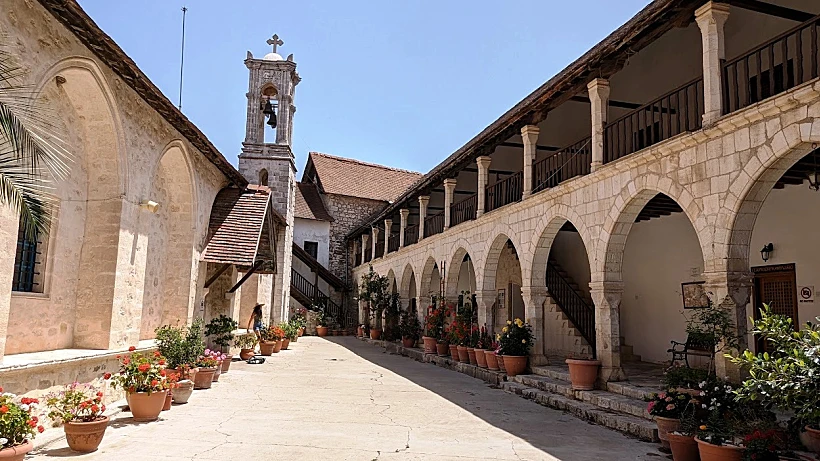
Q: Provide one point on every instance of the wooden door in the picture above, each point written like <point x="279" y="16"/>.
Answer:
<point x="776" y="286"/>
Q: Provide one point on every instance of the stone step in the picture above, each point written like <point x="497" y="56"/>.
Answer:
<point x="633" y="425"/>
<point x="629" y="390"/>
<point x="561" y="374"/>
<point x="544" y="383"/>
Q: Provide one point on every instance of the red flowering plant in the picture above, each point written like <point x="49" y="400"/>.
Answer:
<point x="668" y="404"/>
<point x="460" y="332"/>
<point x="485" y="339"/>
<point x="77" y="402"/>
<point x="434" y="322"/>
<point x="272" y="333"/>
<point x="141" y="373"/>
<point x="17" y="425"/>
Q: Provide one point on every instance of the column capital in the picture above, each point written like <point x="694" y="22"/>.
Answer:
<point x="484" y="161"/>
<point x="528" y="131"/>
<point x="606" y="287"/>
<point x="424" y="199"/>
<point x="404" y="213"/>
<point x="598" y="87"/>
<point x="450" y="183"/>
<point x="374" y="230"/>
<point x="712" y="13"/>
<point x="387" y="223"/>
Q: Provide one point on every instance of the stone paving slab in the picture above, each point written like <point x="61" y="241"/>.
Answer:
<point x="341" y="399"/>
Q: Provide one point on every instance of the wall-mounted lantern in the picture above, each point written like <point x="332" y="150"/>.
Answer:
<point x="766" y="252"/>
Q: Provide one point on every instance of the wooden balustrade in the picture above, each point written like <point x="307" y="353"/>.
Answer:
<point x="393" y="243"/>
<point x="465" y="210"/>
<point x="504" y="192"/>
<point x="434" y="224"/>
<point x="411" y="235"/>
<point x="567" y="163"/>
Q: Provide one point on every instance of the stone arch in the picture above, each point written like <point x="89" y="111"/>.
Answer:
<point x="429" y="267"/>
<point x="168" y="296"/>
<point x="546" y="230"/>
<point x="492" y="254"/>
<point x="391" y="281"/>
<point x="630" y="201"/>
<point x="407" y="279"/>
<point x="454" y="268"/>
<point x="99" y="173"/>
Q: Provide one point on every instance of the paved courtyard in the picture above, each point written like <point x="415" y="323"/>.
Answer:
<point x="341" y="399"/>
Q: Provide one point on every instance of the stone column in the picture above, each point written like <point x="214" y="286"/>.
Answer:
<point x="529" y="134"/>
<point x="485" y="300"/>
<point x="404" y="213"/>
<point x="388" y="225"/>
<point x="599" y="103"/>
<point x="8" y="244"/>
<point x="449" y="190"/>
<point x="483" y="175"/>
<point x="374" y="240"/>
<point x="365" y="240"/>
<point x="534" y="298"/>
<point x="423" y="201"/>
<point x="711" y="18"/>
<point x="731" y="291"/>
<point x="607" y="299"/>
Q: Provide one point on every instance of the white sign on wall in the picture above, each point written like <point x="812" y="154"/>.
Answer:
<point x="805" y="294"/>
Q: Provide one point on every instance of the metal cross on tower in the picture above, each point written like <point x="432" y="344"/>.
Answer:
<point x="275" y="42"/>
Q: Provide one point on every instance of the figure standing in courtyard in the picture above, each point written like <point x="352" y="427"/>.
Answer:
<point x="255" y="321"/>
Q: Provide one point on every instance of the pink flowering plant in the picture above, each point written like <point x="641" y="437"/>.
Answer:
<point x="17" y="424"/>
<point x="77" y="402"/>
<point x="209" y="359"/>
<point x="141" y="372"/>
<point x="669" y="404"/>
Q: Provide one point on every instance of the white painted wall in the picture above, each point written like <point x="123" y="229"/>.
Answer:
<point x="313" y="231"/>
<point x="569" y="250"/>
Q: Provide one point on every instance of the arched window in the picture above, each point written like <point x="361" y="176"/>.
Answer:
<point x="263" y="177"/>
<point x="270" y="103"/>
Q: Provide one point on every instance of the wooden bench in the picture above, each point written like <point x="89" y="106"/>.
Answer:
<point x="694" y="345"/>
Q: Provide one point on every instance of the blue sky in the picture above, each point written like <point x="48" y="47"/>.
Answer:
<point x="402" y="83"/>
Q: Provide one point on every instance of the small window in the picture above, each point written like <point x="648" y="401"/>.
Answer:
<point x="312" y="248"/>
<point x="27" y="262"/>
<point x="263" y="177"/>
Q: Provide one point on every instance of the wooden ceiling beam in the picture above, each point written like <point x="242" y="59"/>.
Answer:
<point x="771" y="10"/>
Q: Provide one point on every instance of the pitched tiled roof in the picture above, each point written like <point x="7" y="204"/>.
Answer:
<point x="309" y="203"/>
<point x="344" y="176"/>
<point x="236" y="225"/>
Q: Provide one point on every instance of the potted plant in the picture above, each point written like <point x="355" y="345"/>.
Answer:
<point x="220" y="331"/>
<point x="320" y="317"/>
<point x="434" y="339"/>
<point x="410" y="329"/>
<point x="220" y="360"/>
<point x="516" y="341"/>
<point x="180" y="347"/>
<point x="207" y="364"/>
<point x="80" y="409"/>
<point x="682" y="442"/>
<point x="373" y="289"/>
<point x="482" y="342"/>
<point x="583" y="372"/>
<point x="18" y="426"/>
<point x="491" y="357"/>
<point x="712" y="328"/>
<point x="685" y="379"/>
<point x="171" y="384"/>
<point x="246" y="343"/>
<point x="473" y="345"/>
<point x="142" y="377"/>
<point x="299" y="319"/>
<point x="267" y="340"/>
<point x="667" y="409"/>
<point x="787" y="376"/>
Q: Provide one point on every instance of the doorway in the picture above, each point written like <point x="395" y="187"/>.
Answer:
<point x="776" y="286"/>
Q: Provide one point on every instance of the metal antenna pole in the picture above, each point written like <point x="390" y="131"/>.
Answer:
<point x="182" y="56"/>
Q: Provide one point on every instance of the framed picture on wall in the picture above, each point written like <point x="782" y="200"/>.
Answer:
<point x="694" y="295"/>
<point x="501" y="300"/>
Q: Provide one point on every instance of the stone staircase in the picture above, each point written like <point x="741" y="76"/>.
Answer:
<point x="554" y="308"/>
<point x="628" y="352"/>
<point x="620" y="407"/>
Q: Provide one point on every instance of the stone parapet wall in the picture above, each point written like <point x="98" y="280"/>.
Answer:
<point x="348" y="213"/>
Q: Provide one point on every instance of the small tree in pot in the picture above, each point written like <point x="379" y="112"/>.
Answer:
<point x="321" y="320"/>
<point x="516" y="341"/>
<point x="373" y="289"/>
<point x="409" y="328"/>
<point x="220" y="331"/>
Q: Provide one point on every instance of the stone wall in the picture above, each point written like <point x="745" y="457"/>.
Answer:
<point x="348" y="213"/>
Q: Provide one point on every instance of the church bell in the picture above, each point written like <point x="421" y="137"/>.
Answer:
<point x="271" y="113"/>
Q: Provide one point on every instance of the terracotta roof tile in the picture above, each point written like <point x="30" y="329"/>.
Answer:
<point x="309" y="203"/>
<point x="354" y="178"/>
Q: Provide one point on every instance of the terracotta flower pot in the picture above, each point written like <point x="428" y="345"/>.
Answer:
<point x="321" y="331"/>
<point x="85" y="437"/>
<point x="189" y="374"/>
<point x="359" y="331"/>
<point x="217" y="371"/>
<point x="429" y="344"/>
<point x="375" y="334"/>
<point x="462" y="354"/>
<point x="168" y="399"/>
<point x="17" y="452"/>
<point x="246" y="354"/>
<point x="285" y="343"/>
<point x="480" y="358"/>
<point x="226" y="364"/>
<point x="454" y="352"/>
<point x="442" y="349"/>
<point x="583" y="373"/>
<point x="183" y="391"/>
<point x="267" y="347"/>
<point x="515" y="364"/>
<point x="277" y="346"/>
<point x="204" y="378"/>
<point x="145" y="406"/>
<point x="492" y="360"/>
<point x="471" y="355"/>
<point x="408" y="342"/>
<point x="684" y="447"/>
<point x="300" y="332"/>
<point x="501" y="365"/>
<point x="665" y="426"/>
<point x="709" y="452"/>
<point x="811" y="439"/>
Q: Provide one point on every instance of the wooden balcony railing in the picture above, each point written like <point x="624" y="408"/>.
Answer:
<point x="358" y="259"/>
<point x="783" y="62"/>
<point x="463" y="210"/>
<point x="676" y="112"/>
<point x="302" y="284"/>
<point x="567" y="163"/>
<point x="367" y="255"/>
<point x="379" y="249"/>
<point x="504" y="192"/>
<point x="411" y="235"/>
<point x="393" y="243"/>
<point x="434" y="224"/>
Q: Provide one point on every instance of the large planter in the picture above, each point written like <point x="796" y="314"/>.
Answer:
<point x="168" y="399"/>
<point x="442" y="349"/>
<point x="321" y="331"/>
<point x="190" y="374"/>
<point x="204" y="378"/>
<point x="359" y="331"/>
<point x="684" y="447"/>
<point x="583" y="373"/>
<point x="246" y="354"/>
<point x="665" y="426"/>
<point x="709" y="452"/>
<point x="462" y="354"/>
<point x="183" y="391"/>
<point x="285" y="343"/>
<point x="145" y="406"/>
<point x="480" y="358"/>
<point x="300" y="332"/>
<point x="217" y="371"/>
<point x="17" y="452"/>
<point x="226" y="364"/>
<point x="811" y="439"/>
<point x="501" y="365"/>
<point x="515" y="364"/>
<point x="492" y="360"/>
<point x="375" y="334"/>
<point x="471" y="356"/>
<point x="454" y="352"/>
<point x="408" y="342"/>
<point x="267" y="347"/>
<point x="85" y="437"/>
<point x="429" y="344"/>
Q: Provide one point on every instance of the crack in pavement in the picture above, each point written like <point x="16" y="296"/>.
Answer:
<point x="390" y="418"/>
